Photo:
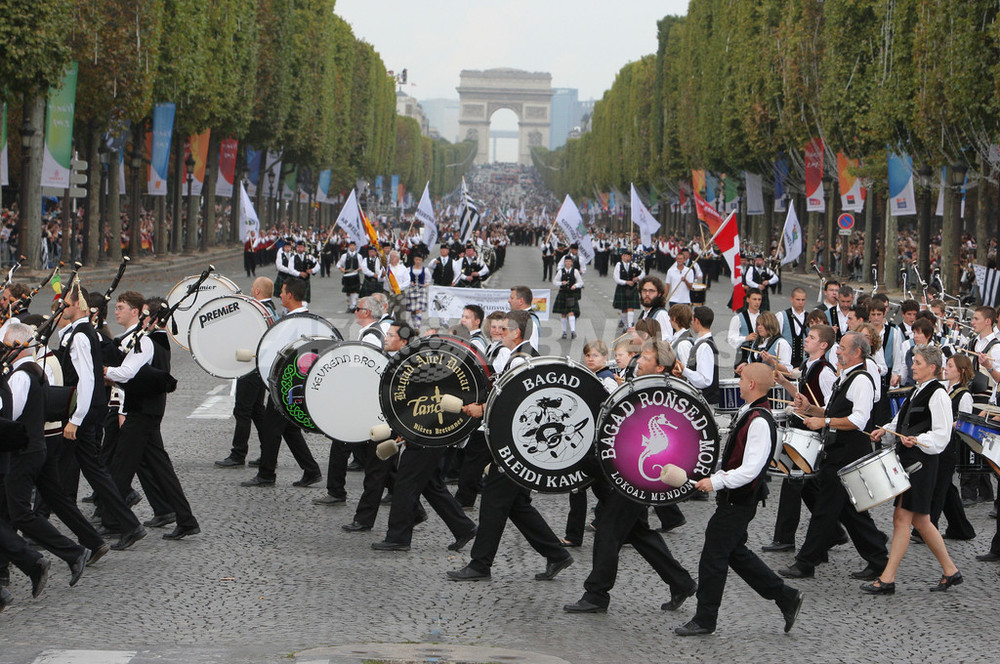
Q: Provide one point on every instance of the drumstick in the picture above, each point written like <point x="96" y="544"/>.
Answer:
<point x="782" y="401"/>
<point x="896" y="433"/>
<point x="812" y="395"/>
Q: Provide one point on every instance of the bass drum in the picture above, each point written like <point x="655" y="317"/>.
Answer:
<point x="540" y="421"/>
<point x="286" y="330"/>
<point x="416" y="379"/>
<point x="286" y="384"/>
<point x="213" y="287"/>
<point x="341" y="390"/>
<point x="648" y="423"/>
<point x="223" y="333"/>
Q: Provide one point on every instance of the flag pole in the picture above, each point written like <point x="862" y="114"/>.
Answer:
<point x="714" y="235"/>
<point x="552" y="229"/>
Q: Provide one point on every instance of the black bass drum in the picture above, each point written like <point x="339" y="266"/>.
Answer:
<point x="287" y="381"/>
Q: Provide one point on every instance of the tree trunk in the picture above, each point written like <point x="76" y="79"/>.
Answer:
<point x="208" y="192"/>
<point x="984" y="209"/>
<point x="951" y="234"/>
<point x="891" y="249"/>
<point x="135" y="223"/>
<point x="869" y="248"/>
<point x="114" y="209"/>
<point x="30" y="206"/>
<point x="177" y="232"/>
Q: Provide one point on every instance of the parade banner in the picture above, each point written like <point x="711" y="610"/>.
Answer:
<point x="248" y="216"/>
<point x="792" y="236"/>
<point x="425" y="215"/>
<point x="378" y="187"/>
<point x="158" y="142"/>
<point x="59" y="112"/>
<point x="755" y="194"/>
<point x="988" y="281"/>
<point x="707" y="214"/>
<point x="289" y="184"/>
<point x="711" y="189"/>
<point x="323" y="186"/>
<point x="815" y="202"/>
<point x="227" y="168"/>
<point x="731" y="191"/>
<point x="4" y="172"/>
<point x="698" y="183"/>
<point x="447" y="302"/>
<point x="852" y="196"/>
<point x="197" y="145"/>
<point x="571" y="224"/>
<point x="394" y="189"/>
<point x="902" y="200"/>
<point x="350" y="220"/>
<point x="780" y="175"/>
<point x="642" y="218"/>
<point x="253" y="167"/>
<point x="401" y="194"/>
<point x="271" y="166"/>
<point x="728" y="240"/>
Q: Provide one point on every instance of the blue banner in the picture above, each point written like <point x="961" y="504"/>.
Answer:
<point x="253" y="166"/>
<point x="394" y="189"/>
<point x="378" y="187"/>
<point x="159" y="163"/>
<point x="780" y="175"/>
<point x="323" y="189"/>
<point x="902" y="199"/>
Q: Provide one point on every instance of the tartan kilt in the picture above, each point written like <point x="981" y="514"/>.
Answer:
<point x="416" y="298"/>
<point x="626" y="297"/>
<point x="350" y="284"/>
<point x="566" y="303"/>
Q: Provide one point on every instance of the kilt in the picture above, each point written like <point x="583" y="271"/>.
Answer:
<point x="626" y="297"/>
<point x="351" y="283"/>
<point x="567" y="302"/>
<point x="416" y="298"/>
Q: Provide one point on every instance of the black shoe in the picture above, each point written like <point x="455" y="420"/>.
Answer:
<point x="420" y="517"/>
<point x="77" y="566"/>
<point x="795" y="572"/>
<point x="39" y="577"/>
<point x="161" y="521"/>
<point x="4" y="577"/>
<point x="691" y="628"/>
<point x="777" y="546"/>
<point x="793" y="613"/>
<point x="129" y="538"/>
<point x="569" y="544"/>
<point x="257" y="480"/>
<point x="879" y="587"/>
<point x="678" y="599"/>
<point x="667" y="529"/>
<point x="387" y="499"/>
<point x="572" y="335"/>
<point x="467" y="573"/>
<point x="553" y="568"/>
<point x="180" y="532"/>
<point x="230" y="462"/>
<point x="354" y="466"/>
<point x="563" y="335"/>
<point x="463" y="540"/>
<point x="386" y="545"/>
<point x="5" y="598"/>
<point x="583" y="606"/>
<point x="132" y="498"/>
<point x="355" y="527"/>
<point x="88" y="499"/>
<point x="947" y="582"/>
<point x="329" y="500"/>
<point x="98" y="553"/>
<point x="869" y="573"/>
<point x="309" y="480"/>
<point x="988" y="557"/>
<point x="104" y="531"/>
<point x="844" y="539"/>
<point x="254" y="463"/>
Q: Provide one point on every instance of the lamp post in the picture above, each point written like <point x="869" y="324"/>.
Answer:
<point x="135" y="229"/>
<point x="191" y="228"/>
<point x="951" y="231"/>
<point x="272" y="212"/>
<point x="30" y="235"/>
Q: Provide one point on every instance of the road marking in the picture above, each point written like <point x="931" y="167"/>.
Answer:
<point x="218" y="405"/>
<point x="85" y="657"/>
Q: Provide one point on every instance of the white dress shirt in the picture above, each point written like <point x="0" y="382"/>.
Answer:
<point x="702" y="378"/>
<point x="83" y="362"/>
<point x="861" y="394"/>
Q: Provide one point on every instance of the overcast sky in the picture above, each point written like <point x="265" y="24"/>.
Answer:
<point x="582" y="43"/>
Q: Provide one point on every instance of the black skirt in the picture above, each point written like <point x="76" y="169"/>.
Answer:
<point x="918" y="498"/>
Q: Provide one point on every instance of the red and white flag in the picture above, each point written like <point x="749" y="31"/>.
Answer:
<point x="707" y="214"/>
<point x="728" y="240"/>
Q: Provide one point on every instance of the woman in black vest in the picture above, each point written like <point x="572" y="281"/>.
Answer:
<point x="923" y="425"/>
<point x="958" y="374"/>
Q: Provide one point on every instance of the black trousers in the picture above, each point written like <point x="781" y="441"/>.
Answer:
<point x="140" y="443"/>
<point x="576" y="518"/>
<point x="377" y="475"/>
<point x="670" y="516"/>
<point x="547" y="265"/>
<point x="250" y="263"/>
<point x="248" y="409"/>
<point x="794" y="492"/>
<point x="276" y="427"/>
<point x="726" y="547"/>
<point x="336" y="467"/>
<point x="503" y="500"/>
<point x="470" y="474"/>
<point x="976" y="486"/>
<point x="85" y="449"/>
<point x="13" y="549"/>
<point x="995" y="543"/>
<point x="946" y="499"/>
<point x="27" y="471"/>
<point x="833" y="505"/>
<point x="623" y="521"/>
<point x="418" y="473"/>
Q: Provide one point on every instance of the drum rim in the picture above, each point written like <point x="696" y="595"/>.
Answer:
<point x="869" y="458"/>
<point x="195" y="277"/>
<point x="277" y="322"/>
<point x="343" y="342"/>
<point x="266" y="314"/>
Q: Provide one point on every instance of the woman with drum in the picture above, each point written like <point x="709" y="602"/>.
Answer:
<point x="570" y="282"/>
<point x="769" y="346"/>
<point x="923" y="427"/>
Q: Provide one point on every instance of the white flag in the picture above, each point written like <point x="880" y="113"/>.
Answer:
<point x="248" y="216"/>
<point x="792" y="234"/>
<point x="643" y="219"/>
<point x="425" y="213"/>
<point x="572" y="226"/>
<point x="350" y="220"/>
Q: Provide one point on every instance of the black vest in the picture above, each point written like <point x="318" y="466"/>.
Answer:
<point x="798" y="352"/>
<point x="523" y="349"/>
<point x="33" y="414"/>
<point x="809" y="386"/>
<point x="732" y="454"/>
<point x="151" y="404"/>
<point x="99" y="398"/>
<point x="351" y="263"/>
<point x="569" y="278"/>
<point x="841" y="406"/>
<point x="711" y="393"/>
<point x="914" y="418"/>
<point x="980" y="385"/>
<point x="444" y="272"/>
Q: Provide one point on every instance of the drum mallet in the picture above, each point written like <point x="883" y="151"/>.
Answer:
<point x="382" y="434"/>
<point x="245" y="355"/>
<point x="451" y="404"/>
<point x="673" y="475"/>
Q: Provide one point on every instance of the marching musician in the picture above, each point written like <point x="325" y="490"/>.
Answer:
<point x="371" y="268"/>
<point x="350" y="267"/>
<point x="521" y="299"/>
<point x="681" y="277"/>
<point x="740" y="485"/>
<point x="569" y="281"/>
<point x="702" y="368"/>
<point x="681" y="338"/>
<point x="986" y="364"/>
<point x="837" y="315"/>
<point x="743" y="326"/>
<point x="651" y="299"/>
<point x="891" y="341"/>
<point x="947" y="500"/>
<point x="908" y="310"/>
<point x="923" y="427"/>
<point x="792" y="322"/>
<point x="470" y="270"/>
<point x="627" y="275"/>
<point x="548" y="258"/>
<point x="284" y="262"/>
<point x="844" y="419"/>
<point x="769" y="346"/>
<point x="250" y="253"/>
<point x="305" y="266"/>
<point x="761" y="277"/>
<point x="397" y="301"/>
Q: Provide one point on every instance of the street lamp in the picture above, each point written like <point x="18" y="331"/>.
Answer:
<point x="135" y="230"/>
<point x="270" y="187"/>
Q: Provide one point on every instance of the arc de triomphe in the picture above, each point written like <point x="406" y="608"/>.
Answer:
<point x="528" y="94"/>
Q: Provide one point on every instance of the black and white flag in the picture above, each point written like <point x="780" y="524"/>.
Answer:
<point x="988" y="281"/>
<point x="468" y="216"/>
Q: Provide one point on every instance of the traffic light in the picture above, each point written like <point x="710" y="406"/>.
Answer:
<point x="77" y="178"/>
<point x="403" y="76"/>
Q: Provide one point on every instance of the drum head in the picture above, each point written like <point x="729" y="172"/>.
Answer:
<point x="541" y="418"/>
<point x="416" y="379"/>
<point x="221" y="328"/>
<point x="341" y="390"/>
<point x="648" y="423"/>
<point x="286" y="384"/>
<point x="286" y="330"/>
<point x="212" y="287"/>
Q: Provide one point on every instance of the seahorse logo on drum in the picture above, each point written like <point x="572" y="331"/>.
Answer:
<point x="657" y="441"/>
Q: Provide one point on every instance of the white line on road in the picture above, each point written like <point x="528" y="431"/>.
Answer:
<point x="85" y="657"/>
<point x="218" y="405"/>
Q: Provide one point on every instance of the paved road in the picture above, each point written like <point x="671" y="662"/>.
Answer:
<point x="272" y="575"/>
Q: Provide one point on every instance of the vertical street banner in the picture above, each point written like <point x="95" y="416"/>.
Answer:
<point x="852" y="196"/>
<point x="711" y="189"/>
<point x="159" y="144"/>
<point x="323" y="186"/>
<point x="289" y="184"/>
<point x="378" y="187"/>
<point x="350" y="220"/>
<point x="425" y="215"/>
<point x="197" y="146"/>
<point x="571" y="224"/>
<point x="727" y="238"/>
<point x="732" y="194"/>
<point x="254" y="157"/>
<point x="815" y="201"/>
<point x="755" y="194"/>
<point x="698" y="182"/>
<point x="780" y="175"/>
<point x="227" y="168"/>
<point x="642" y="218"/>
<point x="4" y="169"/>
<point x="271" y="180"/>
<point x="394" y="190"/>
<point x="59" y="112"/>
<point x="401" y="195"/>
<point x="902" y="201"/>
<point x="248" y="216"/>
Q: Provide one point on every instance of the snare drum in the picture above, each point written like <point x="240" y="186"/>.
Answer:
<point x="286" y="384"/>
<point x="803" y="447"/>
<point x="970" y="459"/>
<point x="286" y="330"/>
<point x="781" y="465"/>
<point x="874" y="479"/>
<point x="341" y="390"/>
<point x="991" y="450"/>
<point x="972" y="429"/>
<point x="540" y="420"/>
<point x="223" y="327"/>
<point x="212" y="287"/>
<point x="698" y="292"/>
<point x="730" y="400"/>
<point x="648" y="423"/>
<point x="416" y="379"/>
